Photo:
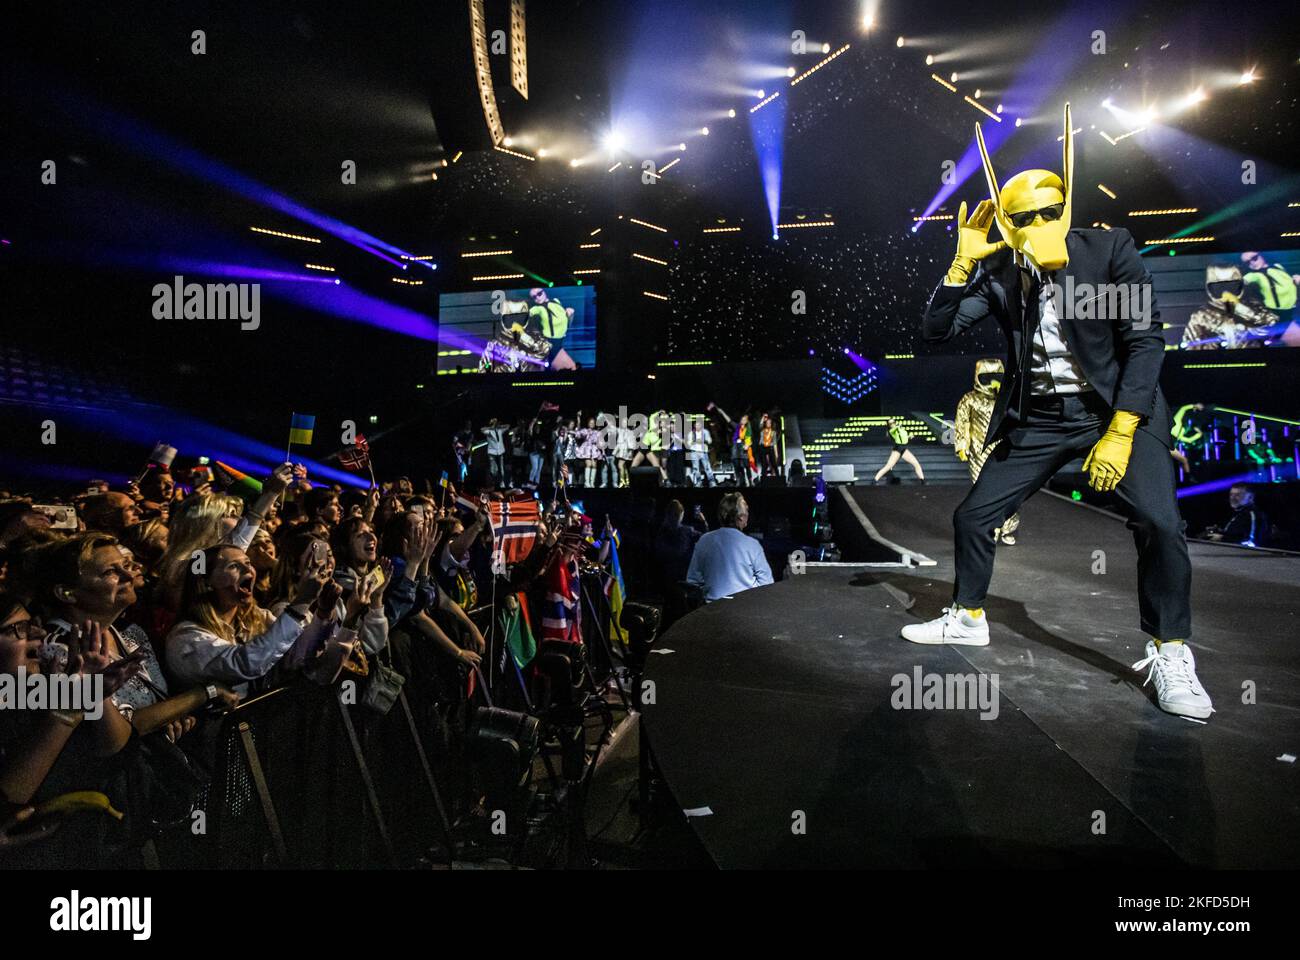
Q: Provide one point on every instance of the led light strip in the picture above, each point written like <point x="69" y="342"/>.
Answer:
<point x="409" y="283"/>
<point x="981" y="108"/>
<point x="938" y="79"/>
<point x="516" y="153"/>
<point x="543" y="383"/>
<point x="487" y="253"/>
<point x="642" y="223"/>
<point x="317" y="266"/>
<point x="588" y="246"/>
<point x="454" y="353"/>
<point x="1212" y="366"/>
<point x="817" y="66"/>
<point x="1161" y="213"/>
<point x="500" y="276"/>
<point x="580" y="273"/>
<point x="806" y="223"/>
<point x="721" y="230"/>
<point x="656" y="296"/>
<point x="1150" y="243"/>
<point x="944" y="216"/>
<point x="642" y="256"/>
<point x="287" y="236"/>
<point x="1107" y="190"/>
<point x="764" y="102"/>
<point x="669" y="165"/>
<point x="684" y="363"/>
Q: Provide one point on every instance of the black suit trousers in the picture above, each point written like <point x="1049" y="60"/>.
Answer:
<point x="1055" y="431"/>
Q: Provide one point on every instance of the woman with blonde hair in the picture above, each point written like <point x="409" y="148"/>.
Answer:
<point x="201" y="520"/>
<point x="223" y="636"/>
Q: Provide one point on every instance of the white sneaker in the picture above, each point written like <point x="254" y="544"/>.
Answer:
<point x="955" y="626"/>
<point x="1177" y="690"/>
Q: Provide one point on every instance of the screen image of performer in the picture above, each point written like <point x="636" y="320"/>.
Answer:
<point x="1273" y="286"/>
<point x="971" y="427"/>
<point x="900" y="437"/>
<point x="1073" y="388"/>
<point x="551" y="319"/>
<point x="1227" y="321"/>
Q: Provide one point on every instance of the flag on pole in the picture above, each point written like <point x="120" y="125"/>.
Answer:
<point x="300" y="429"/>
<point x="617" y="592"/>
<point x="356" y="456"/>
<point x="514" y="526"/>
<point x="240" y="484"/>
<point x="518" y="631"/>
<point x="442" y="482"/>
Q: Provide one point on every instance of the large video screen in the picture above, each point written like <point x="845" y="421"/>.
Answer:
<point x="1228" y="301"/>
<point x="523" y="330"/>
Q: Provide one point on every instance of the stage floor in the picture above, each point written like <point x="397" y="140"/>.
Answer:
<point x="777" y="704"/>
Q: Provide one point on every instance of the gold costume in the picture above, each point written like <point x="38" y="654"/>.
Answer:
<point x="972" y="426"/>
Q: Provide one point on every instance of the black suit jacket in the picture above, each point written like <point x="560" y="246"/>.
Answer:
<point x="1121" y="360"/>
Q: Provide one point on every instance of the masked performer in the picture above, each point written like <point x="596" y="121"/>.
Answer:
<point x="1227" y="321"/>
<point x="971" y="429"/>
<point x="1074" y="388"/>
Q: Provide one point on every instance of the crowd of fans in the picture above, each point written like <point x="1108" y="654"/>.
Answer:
<point x="600" y="450"/>
<point x="185" y="600"/>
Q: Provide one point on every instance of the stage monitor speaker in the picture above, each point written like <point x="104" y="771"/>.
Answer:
<point x="838" y="473"/>
<point x="644" y="480"/>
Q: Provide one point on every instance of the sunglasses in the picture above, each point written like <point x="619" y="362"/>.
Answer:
<point x="1026" y="217"/>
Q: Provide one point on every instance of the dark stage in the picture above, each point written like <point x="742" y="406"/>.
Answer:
<point x="779" y="701"/>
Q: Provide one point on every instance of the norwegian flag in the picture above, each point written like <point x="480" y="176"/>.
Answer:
<point x="561" y="614"/>
<point x="514" y="526"/>
<point x="356" y="456"/>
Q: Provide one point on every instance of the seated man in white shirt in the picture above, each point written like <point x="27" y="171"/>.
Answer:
<point x="727" y="560"/>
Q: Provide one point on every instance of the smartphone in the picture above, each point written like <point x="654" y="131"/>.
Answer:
<point x="62" y="516"/>
<point x="318" y="549"/>
<point x="375" y="579"/>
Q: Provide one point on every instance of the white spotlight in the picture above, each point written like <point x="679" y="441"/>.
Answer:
<point x="574" y="162"/>
<point x="731" y="113"/>
<point x="541" y="152"/>
<point x="826" y="48"/>
<point x="953" y="78"/>
<point x="508" y="141"/>
<point x="761" y="94"/>
<point x="899" y="42"/>
<point x="1018" y="121"/>
<point x="681" y="146"/>
<point x="1197" y="96"/>
<point x="978" y="91"/>
<point x="789" y="71"/>
<point x="613" y="141"/>
<point x="704" y="131"/>
<point x="929" y="59"/>
<point x="1247" y="77"/>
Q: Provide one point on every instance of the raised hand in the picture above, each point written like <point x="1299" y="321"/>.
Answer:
<point x="973" y="233"/>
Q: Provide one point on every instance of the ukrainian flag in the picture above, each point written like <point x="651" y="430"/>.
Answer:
<point x="617" y="594"/>
<point x="300" y="428"/>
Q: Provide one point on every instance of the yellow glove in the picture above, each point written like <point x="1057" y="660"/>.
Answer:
<point x="1108" y="460"/>
<point x="972" y="241"/>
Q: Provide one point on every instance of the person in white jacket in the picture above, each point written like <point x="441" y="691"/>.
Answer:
<point x="223" y="636"/>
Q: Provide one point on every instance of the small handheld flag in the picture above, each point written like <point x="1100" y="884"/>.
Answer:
<point x="300" y="428"/>
<point x="356" y="456"/>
